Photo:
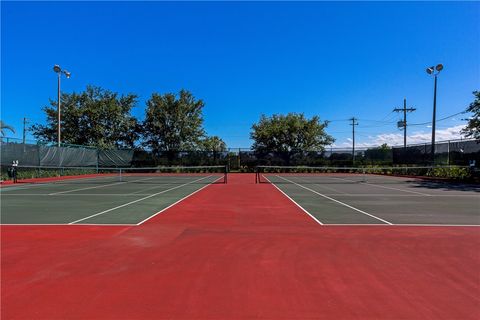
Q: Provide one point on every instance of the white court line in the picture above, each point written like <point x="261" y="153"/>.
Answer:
<point x="384" y="187"/>
<point x="82" y="194"/>
<point x="303" y="209"/>
<point x="28" y="185"/>
<point x="400" y="225"/>
<point x="334" y="200"/>
<point x="86" y="188"/>
<point x="135" y="201"/>
<point x="326" y="225"/>
<point x="67" y="224"/>
<point x="436" y="225"/>
<point x="176" y="202"/>
<point x="155" y="187"/>
<point x="324" y="187"/>
<point x="25" y="186"/>
<point x="391" y="195"/>
<point x="95" y="187"/>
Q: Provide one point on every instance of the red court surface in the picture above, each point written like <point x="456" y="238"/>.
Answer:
<point x="239" y="251"/>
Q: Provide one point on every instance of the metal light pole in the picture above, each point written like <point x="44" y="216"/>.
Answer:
<point x="59" y="72"/>
<point x="434" y="71"/>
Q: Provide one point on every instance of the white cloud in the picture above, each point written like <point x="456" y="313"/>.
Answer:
<point x="393" y="139"/>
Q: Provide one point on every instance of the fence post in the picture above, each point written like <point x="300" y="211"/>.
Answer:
<point x="239" y="161"/>
<point x="448" y="152"/>
<point x="39" y="155"/>
<point x="98" y="158"/>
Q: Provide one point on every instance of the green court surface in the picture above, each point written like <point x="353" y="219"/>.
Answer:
<point x="330" y="201"/>
<point x="401" y="202"/>
<point x="103" y="200"/>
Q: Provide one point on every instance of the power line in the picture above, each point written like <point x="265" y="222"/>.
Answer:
<point x="338" y="120"/>
<point x="380" y="125"/>
<point x="379" y="121"/>
<point x="445" y="118"/>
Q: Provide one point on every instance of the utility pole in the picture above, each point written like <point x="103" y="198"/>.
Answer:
<point x="403" y="123"/>
<point x="353" y="124"/>
<point x="25" y="121"/>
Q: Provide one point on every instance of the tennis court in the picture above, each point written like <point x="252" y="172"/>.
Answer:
<point x="360" y="196"/>
<point x="114" y="196"/>
<point x="109" y="196"/>
<point x="294" y="246"/>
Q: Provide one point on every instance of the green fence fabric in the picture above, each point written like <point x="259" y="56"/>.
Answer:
<point x="458" y="152"/>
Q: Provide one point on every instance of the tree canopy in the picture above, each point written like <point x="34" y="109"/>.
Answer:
<point x="472" y="130"/>
<point x="213" y="143"/>
<point x="290" y="133"/>
<point x="94" y="117"/>
<point x="101" y="118"/>
<point x="173" y="123"/>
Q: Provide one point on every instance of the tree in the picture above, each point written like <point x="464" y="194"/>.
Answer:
<point x="472" y="130"/>
<point x="4" y="126"/>
<point x="173" y="123"/>
<point x="289" y="133"/>
<point x="213" y="143"/>
<point x="95" y="117"/>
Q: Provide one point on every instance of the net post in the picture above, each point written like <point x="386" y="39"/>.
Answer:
<point x="256" y="175"/>
<point x="120" y="178"/>
<point x="225" y="177"/>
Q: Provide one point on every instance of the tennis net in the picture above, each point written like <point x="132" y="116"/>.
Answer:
<point x="92" y="175"/>
<point x="378" y="175"/>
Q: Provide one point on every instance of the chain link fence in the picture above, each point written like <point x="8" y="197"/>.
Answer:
<point x="455" y="152"/>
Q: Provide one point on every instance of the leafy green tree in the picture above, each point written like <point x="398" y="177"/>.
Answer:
<point x="173" y="122"/>
<point x="4" y="126"/>
<point x="290" y="133"/>
<point x="472" y="130"/>
<point x="95" y="117"/>
<point x="213" y="143"/>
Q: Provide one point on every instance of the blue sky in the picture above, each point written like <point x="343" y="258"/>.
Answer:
<point x="335" y="60"/>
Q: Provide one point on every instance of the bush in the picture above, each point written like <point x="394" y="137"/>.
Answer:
<point x="457" y="173"/>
